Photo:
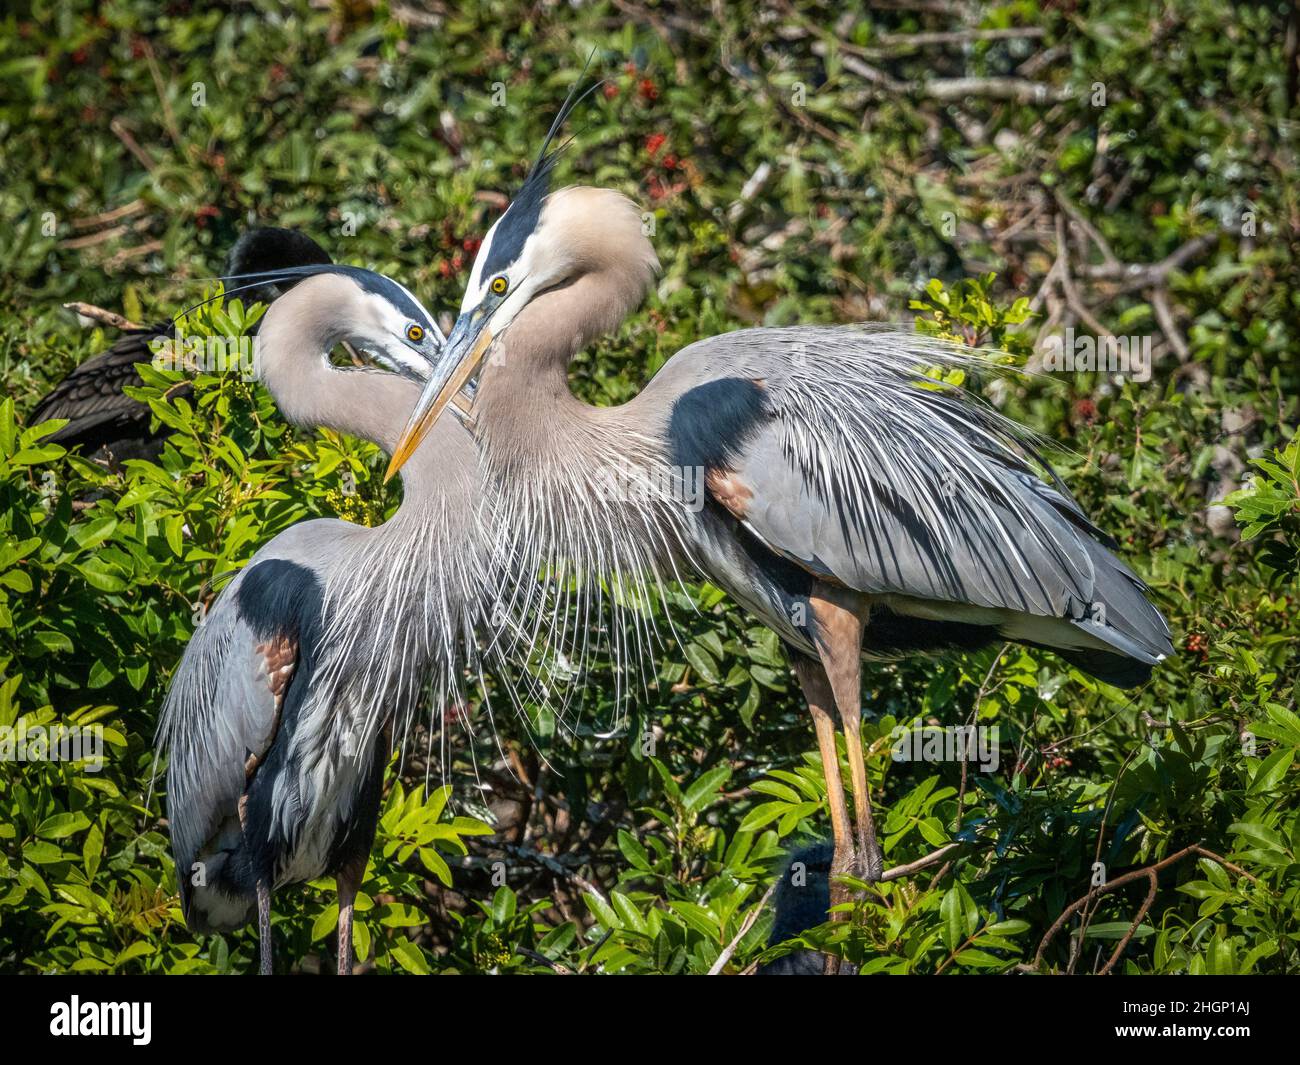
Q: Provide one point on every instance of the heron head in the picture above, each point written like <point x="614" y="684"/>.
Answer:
<point x="543" y="245"/>
<point x="348" y="304"/>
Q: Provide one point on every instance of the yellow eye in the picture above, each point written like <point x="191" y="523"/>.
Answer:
<point x="414" y="334"/>
<point x="499" y="284"/>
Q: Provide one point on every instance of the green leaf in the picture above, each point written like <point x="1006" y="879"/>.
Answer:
<point x="951" y="913"/>
<point x="62" y="825"/>
<point x="703" y="790"/>
<point x="503" y="905"/>
<point x="1271" y="771"/>
<point x="409" y="957"/>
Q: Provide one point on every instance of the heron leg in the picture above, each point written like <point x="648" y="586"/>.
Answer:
<point x="870" y="860"/>
<point x="263" y="928"/>
<point x="817" y="692"/>
<point x="348" y="881"/>
<point x="841" y="616"/>
<point x="263" y="898"/>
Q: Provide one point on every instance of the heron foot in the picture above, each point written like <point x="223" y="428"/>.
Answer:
<point x="869" y="860"/>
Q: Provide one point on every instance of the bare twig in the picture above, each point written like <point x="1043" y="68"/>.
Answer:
<point x="127" y="254"/>
<point x="98" y="314"/>
<point x="745" y="926"/>
<point x="1146" y="275"/>
<point x="1120" y="881"/>
<point x="132" y="145"/>
<point x="920" y="40"/>
<point x="1132" y="928"/>
<point x="1165" y="318"/>
<point x="933" y="858"/>
<point x="104" y="218"/>
<point x="89" y="240"/>
<point x="1072" y="298"/>
<point x="1078" y="218"/>
<point x="1018" y="90"/>
<point x="169" y="116"/>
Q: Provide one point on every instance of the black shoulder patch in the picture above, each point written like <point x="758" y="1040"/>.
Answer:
<point x="278" y="597"/>
<point x="710" y="423"/>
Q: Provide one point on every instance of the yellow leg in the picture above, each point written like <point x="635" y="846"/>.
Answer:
<point x="841" y="615"/>
<point x="870" y="861"/>
<point x="817" y="692"/>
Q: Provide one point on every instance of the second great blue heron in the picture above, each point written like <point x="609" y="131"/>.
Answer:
<point x="853" y="503"/>
<point x="275" y="721"/>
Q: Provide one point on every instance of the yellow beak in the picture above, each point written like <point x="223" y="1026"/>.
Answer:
<point x="441" y="389"/>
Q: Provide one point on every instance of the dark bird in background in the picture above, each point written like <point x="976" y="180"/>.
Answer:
<point x="103" y="421"/>
<point x="801" y="902"/>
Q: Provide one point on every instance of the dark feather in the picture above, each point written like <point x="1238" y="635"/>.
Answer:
<point x="711" y="423"/>
<point x="101" y="416"/>
<point x="520" y="219"/>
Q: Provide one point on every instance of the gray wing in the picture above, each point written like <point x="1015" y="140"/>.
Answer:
<point x="854" y="465"/>
<point x="219" y="720"/>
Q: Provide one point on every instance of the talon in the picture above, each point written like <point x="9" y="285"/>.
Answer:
<point x="874" y="865"/>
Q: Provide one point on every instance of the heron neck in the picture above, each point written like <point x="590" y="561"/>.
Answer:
<point x="525" y="411"/>
<point x="580" y="488"/>
<point x="526" y="416"/>
<point x="364" y="403"/>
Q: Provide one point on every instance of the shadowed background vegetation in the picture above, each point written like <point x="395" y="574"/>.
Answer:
<point x="999" y="172"/>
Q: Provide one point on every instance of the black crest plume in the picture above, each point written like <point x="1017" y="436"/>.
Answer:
<point x="520" y="219"/>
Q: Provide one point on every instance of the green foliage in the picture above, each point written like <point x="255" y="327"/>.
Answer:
<point x="1272" y="505"/>
<point x="645" y="839"/>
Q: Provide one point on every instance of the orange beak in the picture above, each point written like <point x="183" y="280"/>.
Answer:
<point x="450" y="375"/>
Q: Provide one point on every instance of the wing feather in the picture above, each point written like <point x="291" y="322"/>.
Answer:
<point x="866" y="471"/>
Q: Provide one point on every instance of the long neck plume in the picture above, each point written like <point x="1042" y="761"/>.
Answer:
<point x="400" y="597"/>
<point x="585" y="495"/>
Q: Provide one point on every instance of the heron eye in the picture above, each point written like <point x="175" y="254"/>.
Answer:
<point x="499" y="285"/>
<point x="414" y="333"/>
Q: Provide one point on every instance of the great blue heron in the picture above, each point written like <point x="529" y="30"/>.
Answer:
<point x="274" y="723"/>
<point x="102" y="418"/>
<point x="852" y="502"/>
